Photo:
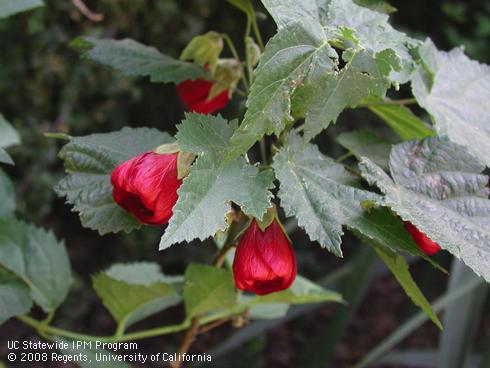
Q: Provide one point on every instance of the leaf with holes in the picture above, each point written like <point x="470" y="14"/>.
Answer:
<point x="301" y="73"/>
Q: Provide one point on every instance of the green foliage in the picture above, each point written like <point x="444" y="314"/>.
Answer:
<point x="8" y="137"/>
<point x="378" y="5"/>
<point x="89" y="162"/>
<point x="134" y="59"/>
<point x="438" y="186"/>
<point x="7" y="195"/>
<point x="455" y="90"/>
<point x="365" y="143"/>
<point x="14" y="296"/>
<point x="208" y="289"/>
<point x="302" y="291"/>
<point x="133" y="292"/>
<point x="38" y="259"/>
<point x="403" y="121"/>
<point x="243" y="5"/>
<point x="204" y="50"/>
<point x="205" y="195"/>
<point x="11" y="7"/>
<point x="310" y="184"/>
<point x="323" y="196"/>
<point x="399" y="267"/>
<point x="300" y="69"/>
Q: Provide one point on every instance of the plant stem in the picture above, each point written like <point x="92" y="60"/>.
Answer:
<point x="263" y="151"/>
<point x="193" y="330"/>
<point x="215" y="324"/>
<point x="231" y="46"/>
<point x="344" y="157"/>
<point x="189" y="338"/>
<point x="139" y="335"/>
<point x="234" y="52"/>
<point x="405" y="101"/>
<point x="247" y="56"/>
<point x="255" y="27"/>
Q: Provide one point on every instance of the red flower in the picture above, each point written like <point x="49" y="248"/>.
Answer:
<point x="426" y="245"/>
<point x="194" y="94"/>
<point x="264" y="260"/>
<point x="146" y="186"/>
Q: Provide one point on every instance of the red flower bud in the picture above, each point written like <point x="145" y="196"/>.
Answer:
<point x="426" y="245"/>
<point x="264" y="260"/>
<point x="146" y="186"/>
<point x="194" y="94"/>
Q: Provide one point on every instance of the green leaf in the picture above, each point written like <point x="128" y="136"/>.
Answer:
<point x="438" y="187"/>
<point x="386" y="231"/>
<point x="134" y="59"/>
<point x="302" y="291"/>
<point x="7" y="195"/>
<point x="399" y="267"/>
<point x="205" y="194"/>
<point x="365" y="76"/>
<point x="8" y="135"/>
<point x="377" y="5"/>
<point x="324" y="197"/>
<point x="11" y="7"/>
<point x="300" y="70"/>
<point x="455" y="91"/>
<point x="89" y="162"/>
<point x="318" y="192"/>
<point x="365" y="143"/>
<point x="208" y="289"/>
<point x="204" y="50"/>
<point x="38" y="258"/>
<point x="14" y="296"/>
<point x="403" y="121"/>
<point x="5" y="157"/>
<point x="267" y="311"/>
<point x="133" y="292"/>
<point x="243" y="5"/>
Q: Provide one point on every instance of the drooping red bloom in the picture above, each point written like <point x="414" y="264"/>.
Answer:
<point x="146" y="186"/>
<point x="426" y="245"/>
<point x="264" y="260"/>
<point x="194" y="94"/>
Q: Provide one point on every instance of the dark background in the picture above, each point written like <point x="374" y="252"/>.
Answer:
<point x="45" y="86"/>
